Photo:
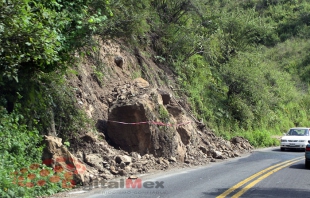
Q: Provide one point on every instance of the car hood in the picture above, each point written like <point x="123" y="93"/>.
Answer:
<point x="291" y="137"/>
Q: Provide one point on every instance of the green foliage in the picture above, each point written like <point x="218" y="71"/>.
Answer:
<point x="292" y="19"/>
<point x="28" y="36"/>
<point x="37" y="40"/>
<point x="12" y="132"/>
<point x="163" y="114"/>
<point x="98" y="74"/>
<point x="231" y="59"/>
<point x="129" y="21"/>
<point x="136" y="74"/>
<point x="261" y="138"/>
<point x="41" y="36"/>
<point x="37" y="35"/>
<point x="67" y="144"/>
<point x="19" y="148"/>
<point x="52" y="102"/>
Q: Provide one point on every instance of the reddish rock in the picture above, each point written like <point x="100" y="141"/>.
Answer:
<point x="58" y="157"/>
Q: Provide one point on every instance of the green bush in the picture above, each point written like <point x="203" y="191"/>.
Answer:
<point x="20" y="147"/>
<point x="239" y="75"/>
<point x="261" y="138"/>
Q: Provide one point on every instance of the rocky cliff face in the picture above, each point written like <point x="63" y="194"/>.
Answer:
<point x="135" y="122"/>
<point x="142" y="125"/>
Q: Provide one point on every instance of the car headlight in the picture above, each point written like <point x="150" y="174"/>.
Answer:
<point x="283" y="140"/>
<point x="302" y="140"/>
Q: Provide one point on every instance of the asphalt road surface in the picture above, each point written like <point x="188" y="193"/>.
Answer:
<point x="264" y="173"/>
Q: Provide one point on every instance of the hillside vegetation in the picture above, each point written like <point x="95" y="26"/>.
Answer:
<point x="243" y="65"/>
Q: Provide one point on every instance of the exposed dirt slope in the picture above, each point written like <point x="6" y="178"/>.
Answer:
<point x="143" y="125"/>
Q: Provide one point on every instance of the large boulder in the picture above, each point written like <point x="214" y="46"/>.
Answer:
<point x="139" y="122"/>
<point x="57" y="156"/>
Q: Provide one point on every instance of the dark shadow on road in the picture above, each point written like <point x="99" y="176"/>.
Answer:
<point x="298" y="166"/>
<point x="289" y="150"/>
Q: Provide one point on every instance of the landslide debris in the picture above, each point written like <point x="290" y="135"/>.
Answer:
<point x="141" y="126"/>
<point x="141" y="138"/>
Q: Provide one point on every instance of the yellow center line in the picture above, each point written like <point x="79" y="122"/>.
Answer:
<point x="238" y="185"/>
<point x="246" y="188"/>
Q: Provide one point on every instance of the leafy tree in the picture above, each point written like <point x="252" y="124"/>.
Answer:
<point x="40" y="36"/>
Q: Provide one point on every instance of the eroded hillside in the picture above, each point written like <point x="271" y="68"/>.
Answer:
<point x="142" y="124"/>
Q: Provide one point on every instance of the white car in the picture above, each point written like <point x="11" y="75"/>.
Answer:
<point x="295" y="138"/>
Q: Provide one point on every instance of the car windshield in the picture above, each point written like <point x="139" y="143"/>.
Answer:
<point x="298" y="132"/>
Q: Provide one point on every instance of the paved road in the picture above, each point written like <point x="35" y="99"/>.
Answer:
<point x="264" y="173"/>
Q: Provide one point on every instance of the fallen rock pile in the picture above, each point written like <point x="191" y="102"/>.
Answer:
<point x="148" y="130"/>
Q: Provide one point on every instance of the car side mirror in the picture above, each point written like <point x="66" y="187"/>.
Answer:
<point x="309" y="141"/>
<point x="284" y="133"/>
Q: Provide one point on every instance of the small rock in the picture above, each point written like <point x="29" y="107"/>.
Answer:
<point x="122" y="172"/>
<point x="133" y="177"/>
<point x="172" y="159"/>
<point x="79" y="154"/>
<point x="122" y="165"/>
<point x="203" y="149"/>
<point x="236" y="154"/>
<point x="113" y="171"/>
<point x="123" y="158"/>
<point x="128" y="169"/>
<point x="141" y="83"/>
<point x="166" y="161"/>
<point x="89" y="137"/>
<point x="112" y="168"/>
<point x="136" y="155"/>
<point x="143" y="162"/>
<point x="119" y="61"/>
<point x="217" y="154"/>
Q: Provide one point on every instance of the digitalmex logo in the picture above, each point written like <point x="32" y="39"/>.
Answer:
<point x="40" y="175"/>
<point x="129" y="183"/>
